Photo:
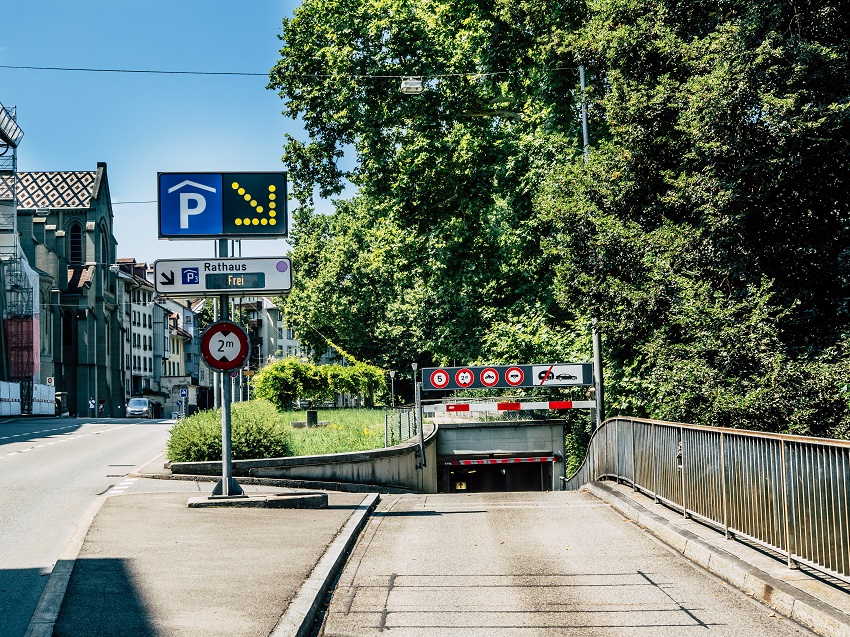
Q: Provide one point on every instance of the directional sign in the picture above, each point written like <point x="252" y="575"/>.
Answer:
<point x="224" y="346"/>
<point x="252" y="275"/>
<point x="554" y="375"/>
<point x="217" y="205"/>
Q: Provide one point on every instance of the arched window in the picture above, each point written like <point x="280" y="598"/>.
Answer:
<point x="75" y="234"/>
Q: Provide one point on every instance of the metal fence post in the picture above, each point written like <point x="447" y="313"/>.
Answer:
<point x="682" y="469"/>
<point x="724" y="485"/>
<point x="654" y="465"/>
<point x="634" y="462"/>
<point x="786" y="501"/>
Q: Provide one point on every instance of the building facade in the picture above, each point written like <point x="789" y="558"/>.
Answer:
<point x="65" y="225"/>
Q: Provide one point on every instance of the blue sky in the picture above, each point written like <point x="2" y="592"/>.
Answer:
<point x="141" y="124"/>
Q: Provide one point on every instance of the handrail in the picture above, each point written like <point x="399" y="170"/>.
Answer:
<point x="787" y="493"/>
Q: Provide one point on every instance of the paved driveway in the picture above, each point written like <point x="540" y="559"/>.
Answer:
<point x="529" y="564"/>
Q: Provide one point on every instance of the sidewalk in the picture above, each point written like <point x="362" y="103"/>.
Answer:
<point x="151" y="566"/>
<point x="813" y="599"/>
<point x="147" y="565"/>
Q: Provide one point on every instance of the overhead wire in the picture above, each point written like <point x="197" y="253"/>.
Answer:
<point x="252" y="74"/>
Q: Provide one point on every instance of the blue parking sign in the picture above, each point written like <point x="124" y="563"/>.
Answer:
<point x="190" y="204"/>
<point x="191" y="276"/>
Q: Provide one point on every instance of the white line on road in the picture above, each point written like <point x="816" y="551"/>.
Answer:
<point x="121" y="487"/>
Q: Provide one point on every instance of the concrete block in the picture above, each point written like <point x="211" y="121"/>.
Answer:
<point x="264" y="500"/>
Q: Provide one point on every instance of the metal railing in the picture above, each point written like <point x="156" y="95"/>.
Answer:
<point x="787" y="493"/>
<point x="399" y="425"/>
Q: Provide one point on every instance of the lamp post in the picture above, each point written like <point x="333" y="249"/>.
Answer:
<point x="392" y="387"/>
<point x="598" y="383"/>
<point x="415" y="366"/>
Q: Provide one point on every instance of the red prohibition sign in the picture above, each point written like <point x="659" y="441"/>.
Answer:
<point x="225" y="346"/>
<point x="439" y="378"/>
<point x="489" y="376"/>
<point x="514" y="376"/>
<point x="464" y="377"/>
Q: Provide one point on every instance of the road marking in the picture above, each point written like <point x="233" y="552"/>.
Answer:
<point x="65" y="437"/>
<point x="40" y="431"/>
<point x="121" y="487"/>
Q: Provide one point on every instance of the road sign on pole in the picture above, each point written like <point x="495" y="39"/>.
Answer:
<point x="216" y="205"/>
<point x="225" y="346"/>
<point x="233" y="275"/>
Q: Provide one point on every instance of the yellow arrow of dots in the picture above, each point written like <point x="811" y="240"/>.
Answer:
<point x="257" y="221"/>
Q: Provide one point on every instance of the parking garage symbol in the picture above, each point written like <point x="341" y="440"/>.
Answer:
<point x="191" y="276"/>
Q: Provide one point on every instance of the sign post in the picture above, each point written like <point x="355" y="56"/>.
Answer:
<point x="211" y="206"/>
<point x="225" y="346"/>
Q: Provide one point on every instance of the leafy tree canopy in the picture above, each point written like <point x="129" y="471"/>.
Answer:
<point x="709" y="230"/>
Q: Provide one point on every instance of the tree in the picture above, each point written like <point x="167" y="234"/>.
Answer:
<point x="708" y="226"/>
<point x="440" y="244"/>
<point x="708" y="231"/>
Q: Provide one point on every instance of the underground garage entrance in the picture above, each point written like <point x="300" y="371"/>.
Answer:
<point x="475" y="457"/>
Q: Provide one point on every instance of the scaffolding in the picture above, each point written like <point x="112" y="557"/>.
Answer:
<point x="21" y="306"/>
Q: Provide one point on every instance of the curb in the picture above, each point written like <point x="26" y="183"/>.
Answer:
<point x="343" y="487"/>
<point x="787" y="600"/>
<point x="299" y="617"/>
<point x="47" y="611"/>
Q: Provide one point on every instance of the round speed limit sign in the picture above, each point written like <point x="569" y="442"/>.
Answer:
<point x="439" y="378"/>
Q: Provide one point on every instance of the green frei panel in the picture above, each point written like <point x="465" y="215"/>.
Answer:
<point x="254" y="204"/>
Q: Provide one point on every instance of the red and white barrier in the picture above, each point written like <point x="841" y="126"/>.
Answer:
<point x="466" y="463"/>
<point x="513" y="406"/>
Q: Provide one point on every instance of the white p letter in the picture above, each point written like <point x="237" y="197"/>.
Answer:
<point x="186" y="211"/>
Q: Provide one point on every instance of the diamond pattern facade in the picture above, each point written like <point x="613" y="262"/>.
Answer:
<point x="73" y="189"/>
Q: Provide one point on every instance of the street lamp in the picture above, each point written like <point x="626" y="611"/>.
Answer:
<point x="392" y="387"/>
<point x="415" y="366"/>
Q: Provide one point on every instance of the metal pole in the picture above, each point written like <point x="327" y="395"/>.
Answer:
<point x="724" y="485"/>
<point x="598" y="383"/>
<point x="227" y="486"/>
<point x="585" y="131"/>
<point x="419" y="416"/>
<point x="217" y="380"/>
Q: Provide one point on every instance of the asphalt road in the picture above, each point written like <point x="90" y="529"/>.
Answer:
<point x="51" y="471"/>
<point x="529" y="564"/>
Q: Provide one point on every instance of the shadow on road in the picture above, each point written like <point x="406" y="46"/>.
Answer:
<point x="102" y="600"/>
<point x="21" y="430"/>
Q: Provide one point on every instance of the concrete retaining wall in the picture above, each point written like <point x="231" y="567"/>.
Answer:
<point x="397" y="466"/>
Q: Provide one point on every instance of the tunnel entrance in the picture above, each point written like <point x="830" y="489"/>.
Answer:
<point x="500" y="455"/>
<point x="482" y="475"/>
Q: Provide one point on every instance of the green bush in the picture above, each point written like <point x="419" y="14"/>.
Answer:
<point x="257" y="431"/>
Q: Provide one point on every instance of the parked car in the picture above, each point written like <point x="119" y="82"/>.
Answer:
<point x="140" y="408"/>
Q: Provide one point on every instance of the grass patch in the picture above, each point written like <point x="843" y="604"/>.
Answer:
<point x="349" y="430"/>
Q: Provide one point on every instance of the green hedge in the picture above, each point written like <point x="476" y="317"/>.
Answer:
<point x="257" y="431"/>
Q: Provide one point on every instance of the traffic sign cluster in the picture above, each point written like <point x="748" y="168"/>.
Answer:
<point x="486" y="377"/>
